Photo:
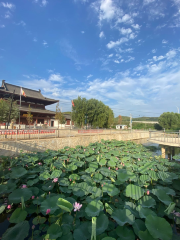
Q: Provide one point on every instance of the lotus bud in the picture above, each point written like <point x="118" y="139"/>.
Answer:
<point x="148" y="192"/>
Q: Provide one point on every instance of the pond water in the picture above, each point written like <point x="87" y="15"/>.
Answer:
<point x="156" y="148"/>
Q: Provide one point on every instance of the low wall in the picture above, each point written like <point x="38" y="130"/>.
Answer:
<point x="9" y="148"/>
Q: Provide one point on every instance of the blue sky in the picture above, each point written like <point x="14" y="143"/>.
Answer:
<point x="124" y="53"/>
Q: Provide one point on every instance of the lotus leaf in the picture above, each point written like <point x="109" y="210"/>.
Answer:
<point x="71" y="168"/>
<point x="68" y="236"/>
<point x="74" y="177"/>
<point x="18" y="232"/>
<point x="122" y="175"/>
<point x="123" y="216"/>
<point x="49" y="203"/>
<point x="138" y="226"/>
<point x="93" y="208"/>
<point x="144" y="212"/>
<point x="132" y="208"/>
<point x="64" y="182"/>
<point x="168" y="191"/>
<point x="145" y="235"/>
<point x="108" y="238"/>
<point x="2" y="208"/>
<point x="102" y="162"/>
<point x="18" y="172"/>
<point x="110" y="189"/>
<point x="39" y="220"/>
<point x="32" y="182"/>
<point x="82" y="232"/>
<point x="158" y="227"/>
<point x="18" y="216"/>
<point x="56" y="174"/>
<point x="133" y="191"/>
<point x="111" y="163"/>
<point x="144" y="178"/>
<point x="48" y="186"/>
<point x="125" y="233"/>
<point x="44" y="176"/>
<point x="64" y="205"/>
<point x="15" y="196"/>
<point x="147" y="201"/>
<point x="162" y="196"/>
<point x="54" y="231"/>
<point x="3" y="189"/>
<point x="153" y="175"/>
<point x="101" y="224"/>
<point x="97" y="177"/>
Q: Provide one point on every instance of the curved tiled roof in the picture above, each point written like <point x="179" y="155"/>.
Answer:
<point x="29" y="92"/>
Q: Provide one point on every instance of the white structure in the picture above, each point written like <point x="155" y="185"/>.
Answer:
<point x="121" y="127"/>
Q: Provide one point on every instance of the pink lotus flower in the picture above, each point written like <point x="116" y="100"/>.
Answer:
<point x="39" y="163"/>
<point x="9" y="207"/>
<point x="93" y="149"/>
<point x="9" y="169"/>
<point x="70" y="180"/>
<point x="24" y="186"/>
<point x="33" y="227"/>
<point x="116" y="168"/>
<point x="148" y="192"/>
<point x="138" y="159"/>
<point x="77" y="206"/>
<point x="84" y="150"/>
<point x="98" y="151"/>
<point x="33" y="197"/>
<point x="109" y="168"/>
<point x="48" y="211"/>
<point x="123" y="164"/>
<point x="55" y="180"/>
<point x="102" y="185"/>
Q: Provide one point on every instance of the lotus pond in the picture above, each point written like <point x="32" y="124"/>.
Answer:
<point x="109" y="190"/>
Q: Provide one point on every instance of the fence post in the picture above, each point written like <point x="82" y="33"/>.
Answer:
<point x="16" y="134"/>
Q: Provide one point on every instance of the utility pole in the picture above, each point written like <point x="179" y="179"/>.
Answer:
<point x="131" y="122"/>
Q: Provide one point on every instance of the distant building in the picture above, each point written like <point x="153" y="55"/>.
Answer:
<point x="33" y="98"/>
<point x="122" y="127"/>
<point x="67" y="123"/>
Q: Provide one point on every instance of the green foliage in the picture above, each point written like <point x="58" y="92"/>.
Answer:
<point x="169" y="120"/>
<point x="5" y="106"/>
<point x="29" y="116"/>
<point x="59" y="115"/>
<point x="92" y="192"/>
<point x="98" y="114"/>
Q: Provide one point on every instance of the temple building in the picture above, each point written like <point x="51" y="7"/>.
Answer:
<point x="32" y="98"/>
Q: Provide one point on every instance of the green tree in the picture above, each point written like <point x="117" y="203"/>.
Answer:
<point x="169" y="120"/>
<point x="79" y="111"/>
<point x="99" y="115"/>
<point x="29" y="117"/>
<point x="59" y="115"/>
<point x="8" y="110"/>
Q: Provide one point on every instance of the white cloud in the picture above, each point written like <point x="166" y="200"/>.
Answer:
<point x="44" y="43"/>
<point x="89" y="76"/>
<point x="146" y="2"/>
<point x="136" y="26"/>
<point x="82" y="32"/>
<point x="125" y="19"/>
<point x="2" y="26"/>
<point x="101" y="35"/>
<point x="44" y="3"/>
<point x="129" y="59"/>
<point x="22" y="23"/>
<point x="155" y="58"/>
<point x="132" y="36"/>
<point x="171" y="54"/>
<point x="34" y="39"/>
<point x="164" y="41"/>
<point x="154" y="50"/>
<point x="111" y="55"/>
<point x="112" y="44"/>
<point x="116" y="61"/>
<point x="7" y="15"/>
<point x="125" y="31"/>
<point x="56" y="77"/>
<point x="8" y="5"/>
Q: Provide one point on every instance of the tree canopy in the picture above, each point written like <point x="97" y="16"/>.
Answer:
<point x="59" y="115"/>
<point x="169" y="120"/>
<point x="98" y="114"/>
<point x="5" y="107"/>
